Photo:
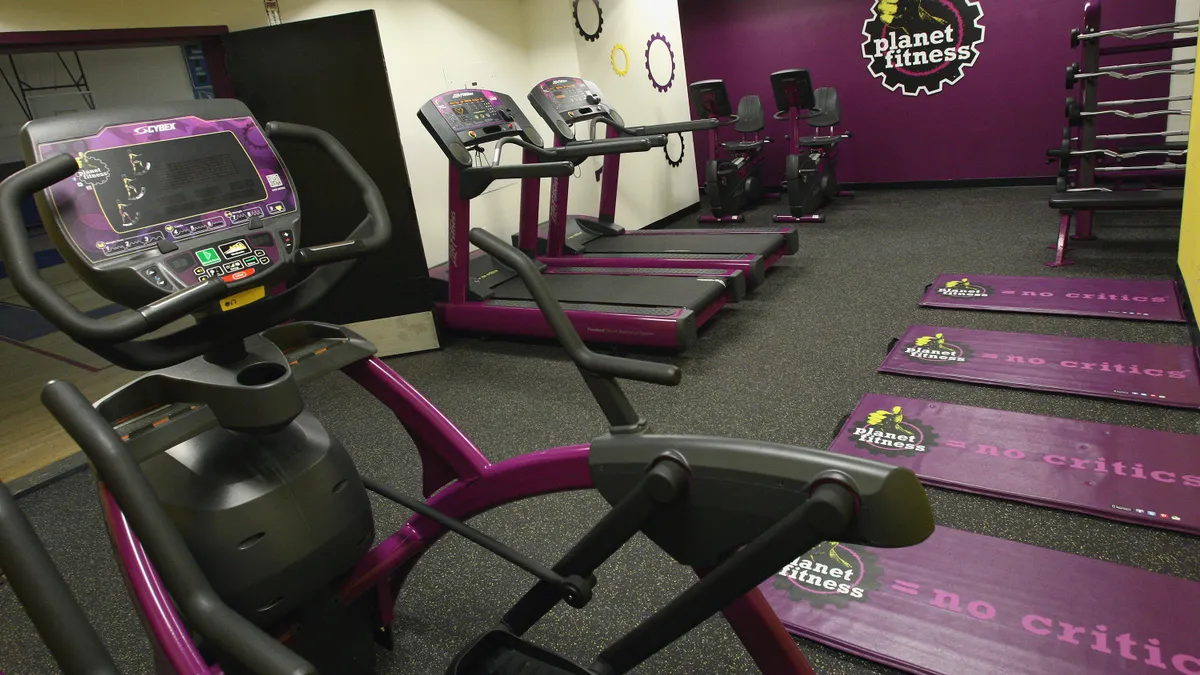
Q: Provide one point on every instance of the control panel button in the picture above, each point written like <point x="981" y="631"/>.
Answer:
<point x="165" y="246"/>
<point x="233" y="266"/>
<point x="275" y="208"/>
<point x="180" y="262"/>
<point x="256" y="224"/>
<point x="198" y="270"/>
<point x="158" y="279"/>
<point x="286" y="236"/>
<point x="208" y="256"/>
<point x="202" y="277"/>
<point x="234" y="249"/>
<point x="237" y="276"/>
<point x="260" y="253"/>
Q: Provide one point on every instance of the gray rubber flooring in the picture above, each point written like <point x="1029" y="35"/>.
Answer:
<point x="783" y="366"/>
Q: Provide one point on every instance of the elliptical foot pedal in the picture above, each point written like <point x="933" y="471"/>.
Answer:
<point x="499" y="652"/>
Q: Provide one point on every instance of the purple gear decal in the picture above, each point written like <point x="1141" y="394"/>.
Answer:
<point x="650" y="73"/>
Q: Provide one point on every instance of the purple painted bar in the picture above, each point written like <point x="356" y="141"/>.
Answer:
<point x="1113" y="298"/>
<point x="1122" y="473"/>
<point x="609" y="180"/>
<point x="1126" y="371"/>
<point x="963" y="603"/>
<point x="155" y="608"/>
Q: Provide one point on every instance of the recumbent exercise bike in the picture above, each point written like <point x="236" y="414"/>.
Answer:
<point x="733" y="182"/>
<point x="810" y="170"/>
<point x="242" y="527"/>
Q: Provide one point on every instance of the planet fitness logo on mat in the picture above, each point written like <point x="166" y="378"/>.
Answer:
<point x="890" y="433"/>
<point x="935" y="349"/>
<point x="920" y="46"/>
<point x="831" y="574"/>
<point x="963" y="288"/>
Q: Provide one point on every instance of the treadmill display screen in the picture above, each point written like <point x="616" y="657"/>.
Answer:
<point x="146" y="183"/>
<point x="566" y="93"/>
<point x="469" y="109"/>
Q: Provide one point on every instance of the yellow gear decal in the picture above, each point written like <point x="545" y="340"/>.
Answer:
<point x="622" y="70"/>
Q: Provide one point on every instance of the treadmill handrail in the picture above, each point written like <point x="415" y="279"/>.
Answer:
<point x="552" y="311"/>
<point x="666" y="128"/>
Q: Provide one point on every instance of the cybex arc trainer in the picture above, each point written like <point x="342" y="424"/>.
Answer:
<point x="564" y="102"/>
<point x="243" y="529"/>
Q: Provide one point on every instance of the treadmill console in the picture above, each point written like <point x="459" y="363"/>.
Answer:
<point x="565" y="101"/>
<point x="467" y="118"/>
<point x="165" y="202"/>
<point x="793" y="89"/>
<point x="710" y="99"/>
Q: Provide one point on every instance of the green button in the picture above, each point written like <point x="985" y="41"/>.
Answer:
<point x="208" y="256"/>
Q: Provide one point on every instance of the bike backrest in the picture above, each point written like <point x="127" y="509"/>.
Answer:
<point x="831" y="109"/>
<point x="750" y="115"/>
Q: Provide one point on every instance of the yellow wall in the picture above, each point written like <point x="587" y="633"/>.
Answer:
<point x="28" y="15"/>
<point x="1189" y="235"/>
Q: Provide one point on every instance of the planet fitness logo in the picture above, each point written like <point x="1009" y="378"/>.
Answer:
<point x="935" y="349"/>
<point x="920" y="46"/>
<point x="92" y="171"/>
<point x="963" y="288"/>
<point x="831" y="574"/>
<point x="890" y="433"/>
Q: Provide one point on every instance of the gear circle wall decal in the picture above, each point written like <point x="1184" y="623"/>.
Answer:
<point x="619" y="70"/>
<point x="662" y="87"/>
<point x="590" y="37"/>
<point x="673" y="161"/>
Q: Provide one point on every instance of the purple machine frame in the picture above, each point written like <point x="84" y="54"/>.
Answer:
<point x="466" y="484"/>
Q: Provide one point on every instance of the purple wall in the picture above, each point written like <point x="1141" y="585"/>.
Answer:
<point x="997" y="122"/>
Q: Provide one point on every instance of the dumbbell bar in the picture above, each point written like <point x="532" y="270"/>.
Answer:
<point x="1143" y="101"/>
<point x="1075" y="74"/>
<point x="1134" y="32"/>
<point x="1066" y="153"/>
<point x="1075" y="115"/>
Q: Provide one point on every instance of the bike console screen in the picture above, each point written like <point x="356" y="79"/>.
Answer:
<point x="177" y="199"/>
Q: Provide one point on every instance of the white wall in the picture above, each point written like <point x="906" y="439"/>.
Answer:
<point x="1181" y="85"/>
<point x="116" y="77"/>
<point x="23" y="15"/>
<point x="510" y="47"/>
<point x="650" y="189"/>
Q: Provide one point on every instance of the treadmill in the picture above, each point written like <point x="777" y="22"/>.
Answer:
<point x="564" y="102"/>
<point x="476" y="293"/>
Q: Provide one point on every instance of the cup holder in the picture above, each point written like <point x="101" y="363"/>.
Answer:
<point x="260" y="374"/>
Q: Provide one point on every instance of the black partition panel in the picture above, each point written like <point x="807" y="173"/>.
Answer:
<point x="330" y="73"/>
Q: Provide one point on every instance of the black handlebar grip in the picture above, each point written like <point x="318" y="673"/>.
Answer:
<point x="608" y="146"/>
<point x="44" y="594"/>
<point x="206" y="613"/>
<point x="539" y="170"/>
<point x="381" y="223"/>
<point x="568" y="337"/>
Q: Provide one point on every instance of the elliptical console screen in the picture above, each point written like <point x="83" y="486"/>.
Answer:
<point x="470" y="109"/>
<point x="168" y="180"/>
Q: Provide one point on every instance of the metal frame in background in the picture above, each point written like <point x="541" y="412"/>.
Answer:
<point x="21" y="92"/>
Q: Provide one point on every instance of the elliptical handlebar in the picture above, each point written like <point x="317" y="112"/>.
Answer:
<point x="381" y="224"/>
<point x="115" y="337"/>
<point x="552" y="311"/>
<point x="14" y="248"/>
<point x="206" y="613"/>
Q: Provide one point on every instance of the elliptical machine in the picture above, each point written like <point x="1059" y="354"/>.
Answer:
<point x="242" y="527"/>
<point x="732" y="183"/>
<point x="810" y="170"/>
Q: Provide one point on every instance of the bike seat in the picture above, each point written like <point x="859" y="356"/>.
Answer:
<point x="744" y="146"/>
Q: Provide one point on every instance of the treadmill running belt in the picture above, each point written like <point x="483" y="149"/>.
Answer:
<point x="760" y="244"/>
<point x="687" y="292"/>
